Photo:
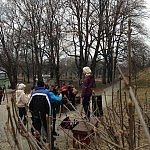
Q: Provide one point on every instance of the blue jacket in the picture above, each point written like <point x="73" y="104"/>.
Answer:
<point x="41" y="101"/>
<point x="50" y="95"/>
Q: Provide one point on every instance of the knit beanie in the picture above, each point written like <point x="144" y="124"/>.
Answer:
<point x="21" y="86"/>
<point x="86" y="70"/>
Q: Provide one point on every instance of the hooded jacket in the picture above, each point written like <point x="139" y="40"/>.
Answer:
<point x="21" y="98"/>
<point x="41" y="101"/>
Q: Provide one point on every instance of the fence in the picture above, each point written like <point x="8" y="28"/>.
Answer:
<point x="125" y="124"/>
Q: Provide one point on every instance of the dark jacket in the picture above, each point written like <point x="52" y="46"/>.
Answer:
<point x="87" y="86"/>
<point x="40" y="102"/>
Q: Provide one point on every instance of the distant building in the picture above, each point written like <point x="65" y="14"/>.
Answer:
<point x="4" y="79"/>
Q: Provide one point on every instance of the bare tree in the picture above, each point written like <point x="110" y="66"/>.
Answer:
<point x="10" y="32"/>
<point x="86" y="30"/>
<point x="90" y="31"/>
<point x="99" y="32"/>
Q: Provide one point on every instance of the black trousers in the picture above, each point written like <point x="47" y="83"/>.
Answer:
<point x="1" y="99"/>
<point x="86" y="106"/>
<point x="38" y="122"/>
<point x="54" y="118"/>
<point x="22" y="114"/>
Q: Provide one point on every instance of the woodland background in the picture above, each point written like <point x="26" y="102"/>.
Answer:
<point x="57" y="38"/>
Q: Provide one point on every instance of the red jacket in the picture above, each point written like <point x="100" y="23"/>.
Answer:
<point x="64" y="88"/>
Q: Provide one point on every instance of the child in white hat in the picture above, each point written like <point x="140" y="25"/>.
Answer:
<point x="21" y="101"/>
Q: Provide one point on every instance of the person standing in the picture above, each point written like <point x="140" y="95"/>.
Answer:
<point x="55" y="106"/>
<point x="1" y="94"/>
<point x="71" y="95"/>
<point x="47" y="86"/>
<point x="87" y="90"/>
<point x="74" y="93"/>
<point x="40" y="105"/>
<point x="21" y="102"/>
<point x="69" y="91"/>
<point x="64" y="90"/>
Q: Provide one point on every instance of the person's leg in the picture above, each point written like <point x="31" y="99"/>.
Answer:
<point x="0" y="100"/>
<point x="36" y="130"/>
<point x="24" y="115"/>
<point x="86" y="104"/>
<point x="88" y="112"/>
<point x="73" y="99"/>
<point x="44" y="122"/>
<point x="54" y="122"/>
<point x="20" y="112"/>
<point x="36" y="122"/>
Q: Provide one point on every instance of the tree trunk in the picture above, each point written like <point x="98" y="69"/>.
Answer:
<point x="104" y="73"/>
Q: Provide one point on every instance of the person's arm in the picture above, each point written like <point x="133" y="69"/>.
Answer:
<point x="24" y="99"/>
<point x="84" y="87"/>
<point x="54" y="97"/>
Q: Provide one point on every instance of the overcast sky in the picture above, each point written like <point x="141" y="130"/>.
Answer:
<point x="147" y="20"/>
<point x="148" y="6"/>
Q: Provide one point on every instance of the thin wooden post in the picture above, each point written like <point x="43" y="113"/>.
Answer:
<point x="131" y="124"/>
<point x="49" y="131"/>
<point x="121" y="113"/>
<point x="129" y="50"/>
<point x="140" y="114"/>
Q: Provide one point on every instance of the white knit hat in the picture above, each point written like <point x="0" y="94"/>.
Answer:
<point x="86" y="70"/>
<point x="21" y="86"/>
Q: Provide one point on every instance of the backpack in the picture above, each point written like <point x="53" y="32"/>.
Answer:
<point x="66" y="123"/>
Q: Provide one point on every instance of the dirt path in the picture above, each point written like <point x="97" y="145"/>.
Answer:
<point x="107" y="93"/>
<point x="3" y="118"/>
